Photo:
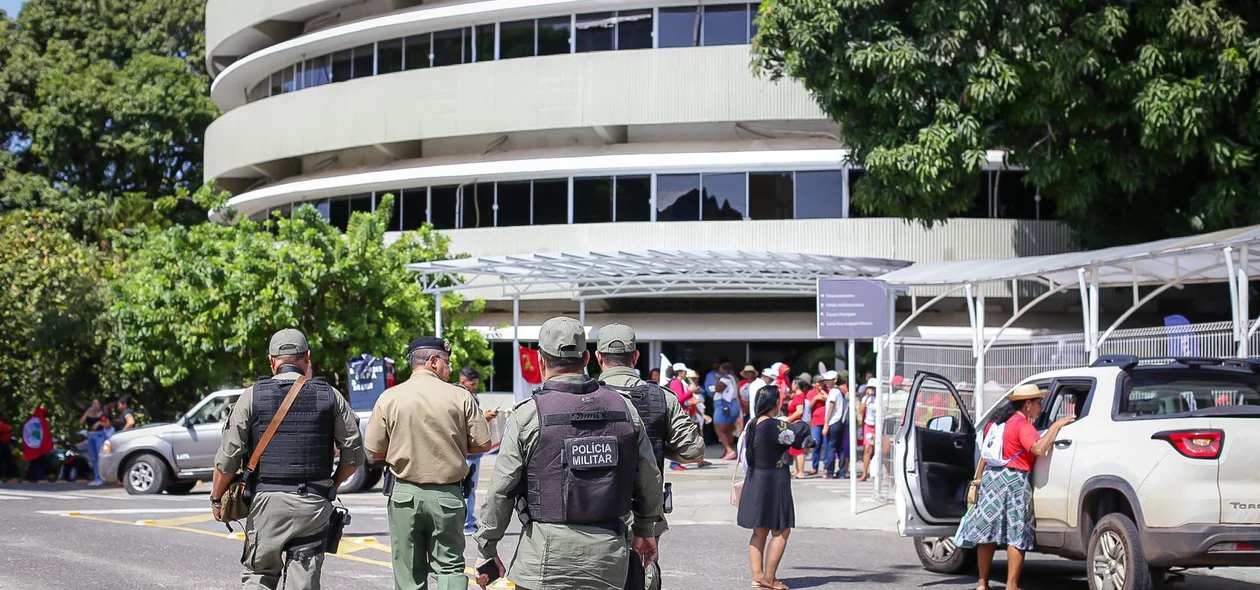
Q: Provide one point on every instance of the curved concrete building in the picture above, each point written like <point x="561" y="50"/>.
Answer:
<point x="525" y="126"/>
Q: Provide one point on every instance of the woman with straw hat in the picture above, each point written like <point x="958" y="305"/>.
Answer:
<point x="1003" y="511"/>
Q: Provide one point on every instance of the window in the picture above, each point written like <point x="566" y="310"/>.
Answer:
<point x="485" y="43"/>
<point x="286" y="80"/>
<point x="770" y="196"/>
<point x="553" y="36"/>
<point x="726" y="24"/>
<point x="317" y="72"/>
<point x="389" y="56"/>
<point x="679" y="27"/>
<point x="752" y="21"/>
<point x="1015" y="200"/>
<point x="937" y="409"/>
<point x="323" y="209"/>
<point x="820" y="194"/>
<point x="299" y="76"/>
<point x="678" y="197"/>
<point x="339" y="212"/>
<point x="342" y="65"/>
<point x="275" y="84"/>
<point x="416" y="51"/>
<point x="214" y="411"/>
<point x="516" y="39"/>
<point x="514" y="203"/>
<point x="595" y="32"/>
<point x="415" y="208"/>
<point x="478" y="205"/>
<point x="551" y="202"/>
<point x="725" y="197"/>
<point x="395" y="218"/>
<point x="364" y="62"/>
<point x="1171" y="392"/>
<point x="442" y="206"/>
<point x="452" y="47"/>
<point x="634" y="198"/>
<point x="592" y="200"/>
<point x="360" y="204"/>
<point x="634" y="29"/>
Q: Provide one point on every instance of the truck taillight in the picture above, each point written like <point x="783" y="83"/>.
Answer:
<point x="1195" y="444"/>
<point x="1233" y="548"/>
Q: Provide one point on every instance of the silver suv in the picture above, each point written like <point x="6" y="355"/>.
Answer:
<point x="173" y="457"/>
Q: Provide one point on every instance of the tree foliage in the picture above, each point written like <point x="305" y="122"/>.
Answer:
<point x="196" y="306"/>
<point x="1140" y="119"/>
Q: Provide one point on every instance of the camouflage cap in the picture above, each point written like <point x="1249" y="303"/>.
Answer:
<point x="288" y="341"/>
<point x="562" y="337"/>
<point x="615" y="339"/>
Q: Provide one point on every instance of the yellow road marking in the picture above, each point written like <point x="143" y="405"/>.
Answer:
<point x="183" y="520"/>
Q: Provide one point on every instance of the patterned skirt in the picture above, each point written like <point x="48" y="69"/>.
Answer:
<point x="1003" y="512"/>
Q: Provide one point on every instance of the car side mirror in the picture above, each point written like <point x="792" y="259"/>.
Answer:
<point x="187" y="421"/>
<point x="943" y="424"/>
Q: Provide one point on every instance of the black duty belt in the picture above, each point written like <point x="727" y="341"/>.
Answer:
<point x="317" y="489"/>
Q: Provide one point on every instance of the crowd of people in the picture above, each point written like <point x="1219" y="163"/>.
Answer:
<point x="97" y="423"/>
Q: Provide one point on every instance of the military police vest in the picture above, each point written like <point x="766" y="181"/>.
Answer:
<point x="649" y="400"/>
<point x="583" y="469"/>
<point x="302" y="448"/>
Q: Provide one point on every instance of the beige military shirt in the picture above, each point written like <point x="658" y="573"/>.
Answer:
<point x="425" y="427"/>
<point x="237" y="445"/>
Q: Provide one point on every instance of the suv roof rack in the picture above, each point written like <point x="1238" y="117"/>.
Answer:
<point x="1126" y="362"/>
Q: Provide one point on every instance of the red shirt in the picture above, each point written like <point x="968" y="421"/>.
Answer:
<point x="6" y="433"/>
<point x="818" y="412"/>
<point x="798" y="401"/>
<point x="1019" y="436"/>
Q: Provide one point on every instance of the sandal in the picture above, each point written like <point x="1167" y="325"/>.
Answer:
<point x="775" y="586"/>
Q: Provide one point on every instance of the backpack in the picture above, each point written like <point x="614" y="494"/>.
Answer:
<point x="991" y="447"/>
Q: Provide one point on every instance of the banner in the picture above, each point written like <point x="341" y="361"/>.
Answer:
<point x="531" y="372"/>
<point x="665" y="370"/>
<point x="36" y="439"/>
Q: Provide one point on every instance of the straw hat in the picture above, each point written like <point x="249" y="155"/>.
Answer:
<point x="749" y="369"/>
<point x="1026" y="392"/>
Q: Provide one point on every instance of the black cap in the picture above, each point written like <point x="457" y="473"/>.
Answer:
<point x="470" y="373"/>
<point x="429" y="342"/>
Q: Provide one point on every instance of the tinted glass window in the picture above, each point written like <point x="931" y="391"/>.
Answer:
<point x="634" y="198"/>
<point x="442" y="206"/>
<point x="679" y="27"/>
<point x="275" y="83"/>
<point x="416" y="51"/>
<point x="725" y="197"/>
<point x="752" y="21"/>
<point x="364" y="62"/>
<point x="324" y="209"/>
<point x="678" y="197"/>
<point x="726" y="24"/>
<point x="449" y="47"/>
<point x="514" y="204"/>
<point x="820" y="194"/>
<point x="634" y="29"/>
<point x="592" y="200"/>
<point x="551" y="202"/>
<point x="479" y="205"/>
<point x="415" y="208"/>
<point x="389" y="56"/>
<point x="485" y="43"/>
<point x="339" y="212"/>
<point x="596" y="32"/>
<point x="360" y="204"/>
<point x="286" y="80"/>
<point x="317" y="72"/>
<point x="342" y="65"/>
<point x="553" y="35"/>
<point x="395" y="218"/>
<point x="1015" y="200"/>
<point x="516" y="39"/>
<point x="770" y="196"/>
<point x="1165" y="393"/>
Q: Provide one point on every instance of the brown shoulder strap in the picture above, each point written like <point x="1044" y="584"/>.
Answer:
<point x="275" y="421"/>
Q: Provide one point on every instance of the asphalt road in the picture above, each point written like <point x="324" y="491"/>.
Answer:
<point x="54" y="537"/>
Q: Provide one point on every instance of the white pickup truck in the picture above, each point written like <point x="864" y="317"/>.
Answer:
<point x="1161" y="469"/>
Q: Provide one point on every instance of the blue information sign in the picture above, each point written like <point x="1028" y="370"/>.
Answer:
<point x="852" y="308"/>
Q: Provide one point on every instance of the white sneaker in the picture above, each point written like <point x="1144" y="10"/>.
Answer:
<point x="95" y="484"/>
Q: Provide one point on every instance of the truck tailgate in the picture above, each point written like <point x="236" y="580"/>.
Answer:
<point x="1239" y="474"/>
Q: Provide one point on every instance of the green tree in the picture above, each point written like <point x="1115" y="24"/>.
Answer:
<point x="51" y="317"/>
<point x="103" y="106"/>
<point x="196" y="306"/>
<point x="1140" y="119"/>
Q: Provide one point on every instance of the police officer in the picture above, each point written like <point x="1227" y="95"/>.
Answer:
<point x="672" y="433"/>
<point x="425" y="429"/>
<point x="292" y="498"/>
<point x="575" y="460"/>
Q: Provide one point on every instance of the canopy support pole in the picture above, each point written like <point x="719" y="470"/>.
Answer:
<point x="851" y="406"/>
<point x="582" y="312"/>
<point x="1244" y="302"/>
<point x="1084" y="291"/>
<point x="980" y="353"/>
<point x="885" y="351"/>
<point x="1093" y="314"/>
<point x="1228" y="254"/>
<point x="437" y="314"/>
<point x="518" y="375"/>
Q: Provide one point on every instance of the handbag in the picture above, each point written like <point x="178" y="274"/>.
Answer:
<point x="737" y="487"/>
<point x="237" y="498"/>
<point x="973" y="487"/>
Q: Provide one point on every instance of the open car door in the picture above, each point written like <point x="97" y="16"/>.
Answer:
<point x="934" y="458"/>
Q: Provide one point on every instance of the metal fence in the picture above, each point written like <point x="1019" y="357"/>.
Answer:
<point x="1009" y="362"/>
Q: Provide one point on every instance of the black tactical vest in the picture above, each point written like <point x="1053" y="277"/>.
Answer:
<point x="302" y="448"/>
<point x="582" y="471"/>
<point x="649" y="400"/>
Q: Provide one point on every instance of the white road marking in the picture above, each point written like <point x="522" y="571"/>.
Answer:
<point x="30" y="494"/>
<point x="8" y="497"/>
<point x="125" y="511"/>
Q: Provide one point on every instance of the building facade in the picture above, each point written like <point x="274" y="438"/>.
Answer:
<point x="526" y="126"/>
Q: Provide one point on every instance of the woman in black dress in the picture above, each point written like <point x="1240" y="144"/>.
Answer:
<point x="765" y="505"/>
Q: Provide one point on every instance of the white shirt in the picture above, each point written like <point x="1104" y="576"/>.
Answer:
<point x="732" y="389"/>
<point x="753" y="388"/>
<point x="869" y="401"/>
<point x="837" y="401"/>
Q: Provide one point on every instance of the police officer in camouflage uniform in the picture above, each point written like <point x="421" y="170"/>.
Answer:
<point x="575" y="460"/>
<point x="292" y="500"/>
<point x="672" y="433"/>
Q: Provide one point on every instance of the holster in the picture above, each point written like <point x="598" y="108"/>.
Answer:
<point x="387" y="488"/>
<point x="337" y="522"/>
<point x="669" y="497"/>
<point x="469" y="481"/>
<point x="636" y="578"/>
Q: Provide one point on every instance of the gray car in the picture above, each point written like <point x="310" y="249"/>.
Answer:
<point x="173" y="457"/>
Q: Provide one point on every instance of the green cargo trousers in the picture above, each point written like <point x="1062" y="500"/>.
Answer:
<point x="275" y="520"/>
<point x="426" y="533"/>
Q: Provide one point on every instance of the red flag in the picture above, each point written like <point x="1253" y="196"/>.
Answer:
<point x="530" y="369"/>
<point x="784" y="382"/>
<point x="36" y="439"/>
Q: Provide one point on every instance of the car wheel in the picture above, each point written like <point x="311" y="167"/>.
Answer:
<point x="180" y="488"/>
<point x="145" y="474"/>
<point x="942" y="556"/>
<point x="373" y="478"/>
<point x="1116" y="559"/>
<point x="355" y="482"/>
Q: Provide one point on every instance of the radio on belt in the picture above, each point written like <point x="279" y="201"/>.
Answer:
<point x="596" y="452"/>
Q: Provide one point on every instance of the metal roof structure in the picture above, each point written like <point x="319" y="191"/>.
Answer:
<point x="610" y="274"/>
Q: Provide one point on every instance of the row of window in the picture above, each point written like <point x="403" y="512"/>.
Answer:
<point x="720" y="24"/>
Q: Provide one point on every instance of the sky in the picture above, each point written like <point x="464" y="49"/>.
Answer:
<point x="10" y="7"/>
